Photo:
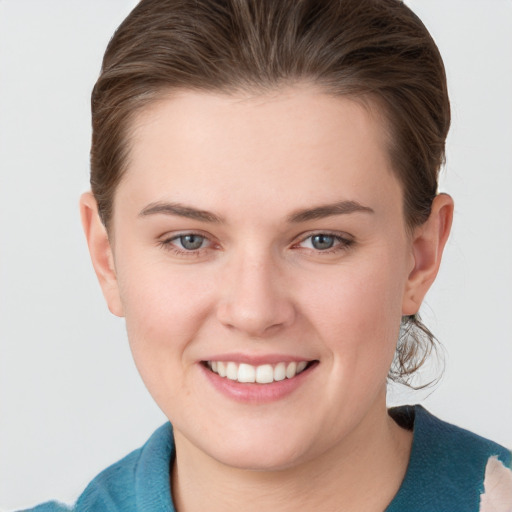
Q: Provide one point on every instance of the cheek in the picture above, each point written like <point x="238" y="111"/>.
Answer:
<point x="164" y="309"/>
<point x="358" y="312"/>
<point x="160" y="298"/>
<point x="163" y="317"/>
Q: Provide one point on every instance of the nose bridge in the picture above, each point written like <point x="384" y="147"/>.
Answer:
<point x="252" y="298"/>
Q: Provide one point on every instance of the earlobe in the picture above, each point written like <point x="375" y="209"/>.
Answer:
<point x="101" y="252"/>
<point x="428" y="244"/>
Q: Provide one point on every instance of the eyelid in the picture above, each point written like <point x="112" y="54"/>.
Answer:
<point x="342" y="235"/>
<point x="167" y="242"/>
<point x="345" y="241"/>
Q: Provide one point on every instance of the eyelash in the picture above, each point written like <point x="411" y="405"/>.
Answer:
<point x="342" y="243"/>
<point x="169" y="245"/>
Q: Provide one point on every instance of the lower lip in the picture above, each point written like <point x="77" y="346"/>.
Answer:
<point x="257" y="393"/>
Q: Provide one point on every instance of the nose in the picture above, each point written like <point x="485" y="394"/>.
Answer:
<point x="254" y="297"/>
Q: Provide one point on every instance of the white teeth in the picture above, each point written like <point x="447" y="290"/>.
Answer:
<point x="263" y="374"/>
<point x="301" y="366"/>
<point x="280" y="371"/>
<point x="291" y="370"/>
<point x="246" y="373"/>
<point x="221" y="369"/>
<point x="232" y="371"/>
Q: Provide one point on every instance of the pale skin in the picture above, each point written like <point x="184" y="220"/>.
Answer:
<point x="303" y="254"/>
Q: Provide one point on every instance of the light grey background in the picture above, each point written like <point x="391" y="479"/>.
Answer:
<point x="71" y="401"/>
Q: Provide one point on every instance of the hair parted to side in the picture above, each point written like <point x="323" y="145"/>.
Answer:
<point x="377" y="51"/>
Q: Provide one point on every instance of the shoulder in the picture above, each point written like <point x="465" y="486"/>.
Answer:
<point x="440" y="441"/>
<point x="139" y="481"/>
<point x="447" y="466"/>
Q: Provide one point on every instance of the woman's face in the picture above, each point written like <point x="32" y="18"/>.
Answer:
<point x="256" y="235"/>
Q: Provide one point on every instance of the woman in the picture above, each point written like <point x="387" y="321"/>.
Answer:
<point x="264" y="214"/>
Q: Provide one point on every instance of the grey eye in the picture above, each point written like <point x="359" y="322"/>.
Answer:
<point x="322" y="242"/>
<point x="191" y="242"/>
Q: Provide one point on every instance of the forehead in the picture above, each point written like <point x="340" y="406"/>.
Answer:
<point x="296" y="142"/>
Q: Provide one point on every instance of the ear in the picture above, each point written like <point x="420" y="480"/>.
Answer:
<point x="101" y="252"/>
<point x="428" y="243"/>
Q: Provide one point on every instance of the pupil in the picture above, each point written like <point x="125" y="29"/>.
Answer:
<point x="322" y="241"/>
<point x="191" y="242"/>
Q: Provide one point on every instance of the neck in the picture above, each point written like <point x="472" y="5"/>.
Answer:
<point x="363" y="472"/>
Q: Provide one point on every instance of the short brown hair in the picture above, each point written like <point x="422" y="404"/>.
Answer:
<point x="376" y="50"/>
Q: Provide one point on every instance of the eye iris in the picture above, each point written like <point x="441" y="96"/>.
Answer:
<point x="322" y="242"/>
<point x="191" y="242"/>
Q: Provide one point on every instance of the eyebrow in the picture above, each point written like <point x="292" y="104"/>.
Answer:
<point x="180" y="210"/>
<point x="318" y="212"/>
<point x="327" y="210"/>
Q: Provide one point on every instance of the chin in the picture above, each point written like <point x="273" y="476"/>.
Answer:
<point x="270" y="450"/>
<point x="264" y="460"/>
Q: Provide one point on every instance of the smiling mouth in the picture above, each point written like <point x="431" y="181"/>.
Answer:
<point x="262" y="374"/>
